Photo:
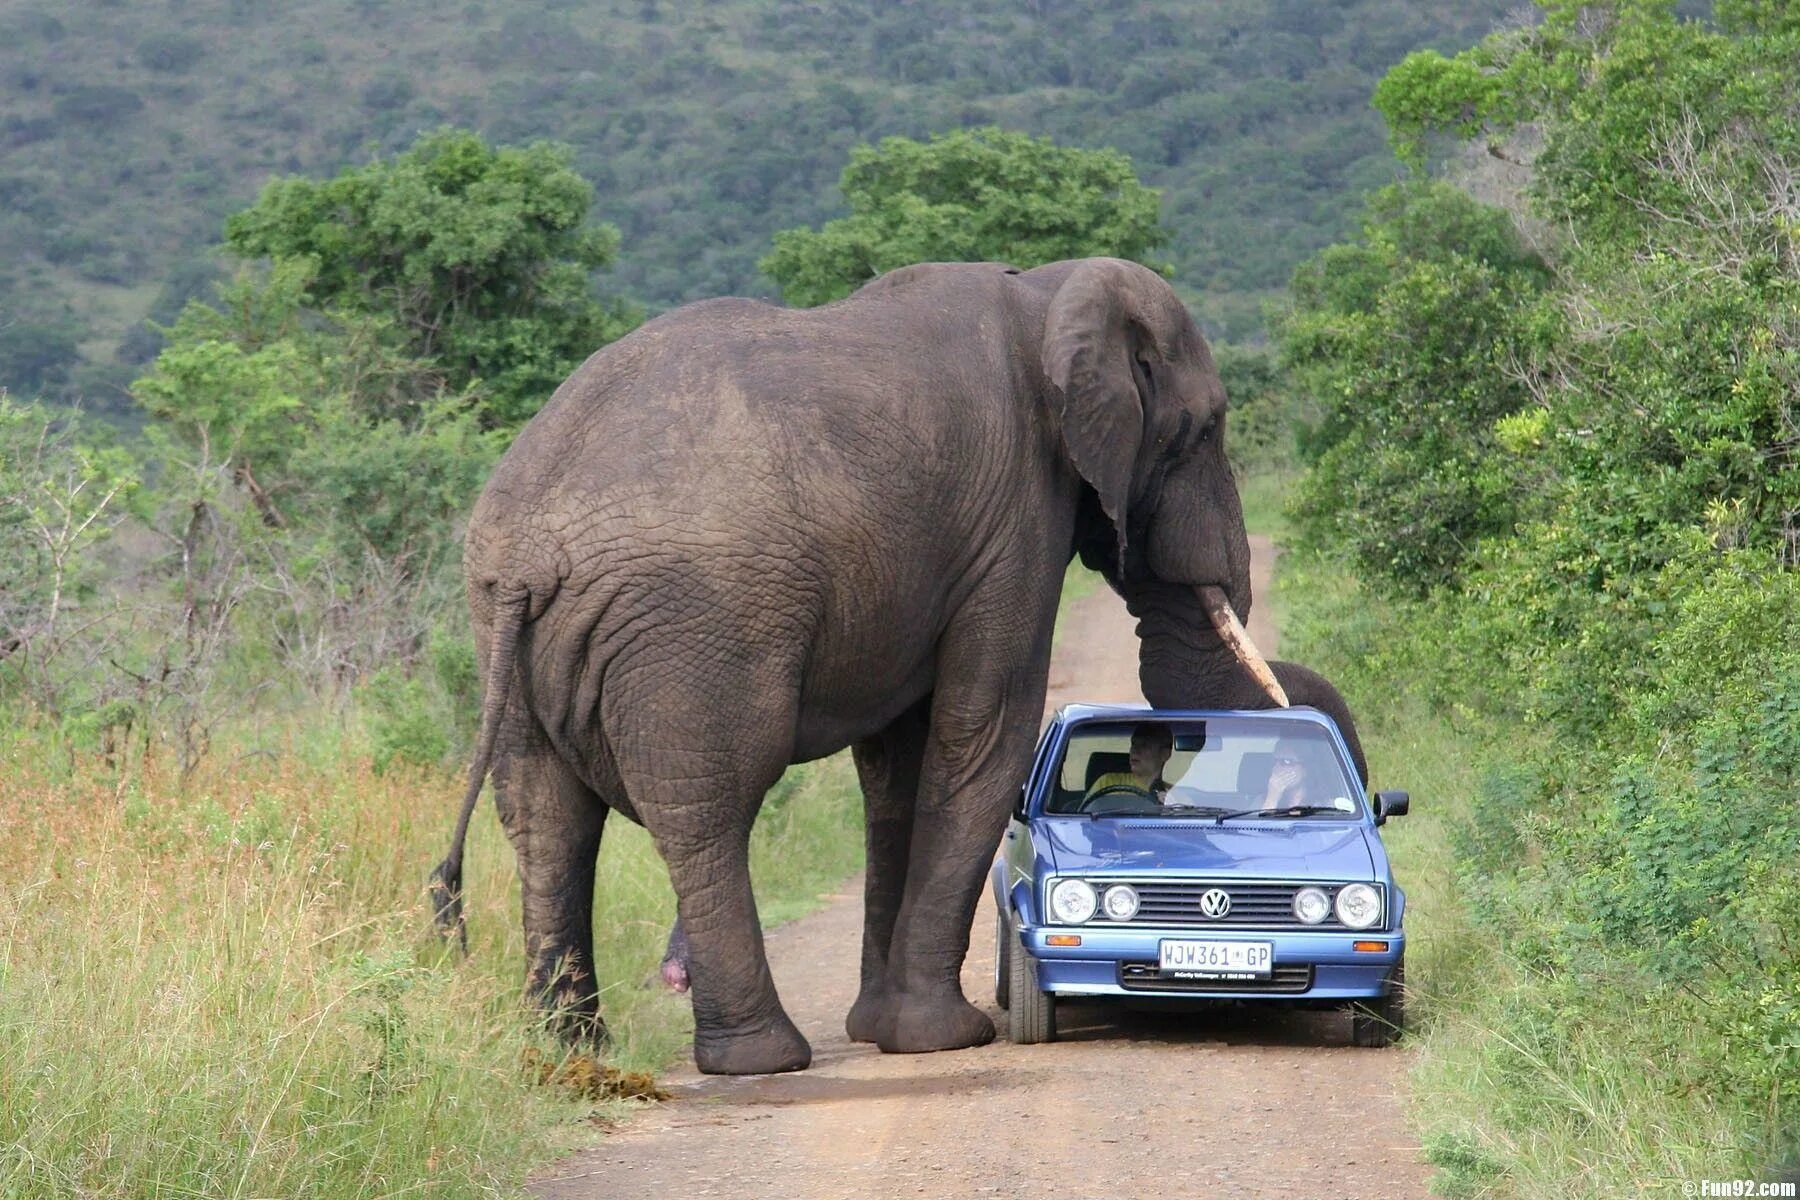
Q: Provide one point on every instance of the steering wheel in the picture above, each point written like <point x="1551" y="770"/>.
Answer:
<point x="1119" y="791"/>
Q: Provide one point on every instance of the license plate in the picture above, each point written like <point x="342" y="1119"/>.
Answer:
<point x="1216" y="960"/>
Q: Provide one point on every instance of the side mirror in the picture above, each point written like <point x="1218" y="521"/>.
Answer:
<point x="1391" y="804"/>
<point x="1018" y="812"/>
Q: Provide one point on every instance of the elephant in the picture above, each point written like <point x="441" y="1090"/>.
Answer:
<point x="745" y="536"/>
<point x="1230" y="687"/>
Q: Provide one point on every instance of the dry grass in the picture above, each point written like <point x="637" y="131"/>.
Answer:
<point x="232" y="990"/>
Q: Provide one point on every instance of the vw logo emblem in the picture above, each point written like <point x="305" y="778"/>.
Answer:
<point x="1215" y="903"/>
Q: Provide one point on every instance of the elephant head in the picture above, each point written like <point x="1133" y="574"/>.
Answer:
<point x="1143" y="421"/>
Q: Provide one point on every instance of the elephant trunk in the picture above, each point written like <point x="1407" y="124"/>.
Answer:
<point x="1185" y="660"/>
<point x="1237" y="639"/>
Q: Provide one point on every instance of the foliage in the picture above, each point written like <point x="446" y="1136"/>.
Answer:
<point x="1265" y="409"/>
<point x="1402" y="447"/>
<point x="976" y="195"/>
<point x="1617" y="644"/>
<point x="61" y="501"/>
<point x="36" y="353"/>
<point x="703" y="128"/>
<point x="403" y="728"/>
<point x="329" y="428"/>
<point x="479" y="257"/>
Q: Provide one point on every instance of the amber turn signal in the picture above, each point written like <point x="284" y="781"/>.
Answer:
<point x="1377" y="947"/>
<point x="1072" y="939"/>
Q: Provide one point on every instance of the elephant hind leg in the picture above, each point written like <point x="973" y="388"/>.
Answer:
<point x="697" y="793"/>
<point x="554" y="822"/>
<point x="888" y="767"/>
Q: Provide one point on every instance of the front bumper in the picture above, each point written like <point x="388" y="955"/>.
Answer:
<point x="1334" y="970"/>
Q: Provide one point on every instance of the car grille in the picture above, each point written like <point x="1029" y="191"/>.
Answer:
<point x="1176" y="904"/>
<point x="1144" y="977"/>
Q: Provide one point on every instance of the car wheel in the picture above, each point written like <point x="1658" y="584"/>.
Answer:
<point x="1033" y="1012"/>
<point x="1003" y="956"/>
<point x="1377" y="1023"/>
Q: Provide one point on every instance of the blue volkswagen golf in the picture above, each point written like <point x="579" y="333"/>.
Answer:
<point x="1198" y="855"/>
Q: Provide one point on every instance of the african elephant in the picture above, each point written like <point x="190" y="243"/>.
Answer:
<point x="746" y="536"/>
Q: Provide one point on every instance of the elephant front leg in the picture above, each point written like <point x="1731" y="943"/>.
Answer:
<point x="975" y="760"/>
<point x="888" y="767"/>
<point x="554" y="822"/>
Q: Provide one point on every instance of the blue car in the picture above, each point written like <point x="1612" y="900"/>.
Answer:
<point x="1198" y="855"/>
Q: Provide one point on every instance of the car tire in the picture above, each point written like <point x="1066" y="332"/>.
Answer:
<point x="1032" y="1014"/>
<point x="1376" y="1023"/>
<point x="1003" y="956"/>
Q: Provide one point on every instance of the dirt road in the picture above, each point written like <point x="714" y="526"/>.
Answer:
<point x="1231" y="1104"/>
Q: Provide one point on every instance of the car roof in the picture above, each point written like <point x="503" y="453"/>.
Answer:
<point x="1070" y="714"/>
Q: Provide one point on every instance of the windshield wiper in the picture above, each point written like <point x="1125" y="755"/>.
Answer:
<point x="1194" y="810"/>
<point x="1292" y="810"/>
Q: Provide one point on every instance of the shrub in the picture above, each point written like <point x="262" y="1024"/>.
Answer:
<point x="98" y="103"/>
<point x="173" y="53"/>
<point x="405" y="726"/>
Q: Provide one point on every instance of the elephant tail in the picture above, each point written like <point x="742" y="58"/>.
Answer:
<point x="446" y="880"/>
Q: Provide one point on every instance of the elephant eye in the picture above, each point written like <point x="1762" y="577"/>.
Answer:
<point x="1207" y="430"/>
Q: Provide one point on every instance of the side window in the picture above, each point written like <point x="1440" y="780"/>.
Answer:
<point x="1089" y="756"/>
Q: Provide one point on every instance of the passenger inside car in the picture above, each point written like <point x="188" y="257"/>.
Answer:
<point x="1151" y="746"/>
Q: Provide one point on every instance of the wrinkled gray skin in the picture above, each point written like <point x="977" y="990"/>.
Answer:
<point x="1228" y="688"/>
<point x="747" y="536"/>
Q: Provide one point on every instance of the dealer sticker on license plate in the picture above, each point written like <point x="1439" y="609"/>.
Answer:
<point x="1216" y="960"/>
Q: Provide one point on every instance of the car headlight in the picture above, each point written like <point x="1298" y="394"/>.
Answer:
<point x="1072" y="901"/>
<point x="1311" y="905"/>
<point x="1359" y="905"/>
<point x="1120" y="902"/>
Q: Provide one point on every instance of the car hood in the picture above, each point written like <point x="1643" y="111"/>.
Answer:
<point x="1292" y="850"/>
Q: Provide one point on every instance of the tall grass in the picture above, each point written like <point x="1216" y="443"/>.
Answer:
<point x="1532" y="1075"/>
<point x="231" y="989"/>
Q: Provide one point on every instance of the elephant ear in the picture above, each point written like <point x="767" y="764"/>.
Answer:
<point x="1087" y="358"/>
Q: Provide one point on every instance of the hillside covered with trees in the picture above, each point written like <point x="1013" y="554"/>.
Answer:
<point x="130" y="132"/>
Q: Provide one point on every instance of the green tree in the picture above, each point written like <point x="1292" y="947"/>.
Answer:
<point x="61" y="500"/>
<point x="481" y="257"/>
<point x="325" y="425"/>
<point x="975" y="195"/>
<point x="1403" y="341"/>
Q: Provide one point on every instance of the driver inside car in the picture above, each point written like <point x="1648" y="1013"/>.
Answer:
<point x="1151" y="746"/>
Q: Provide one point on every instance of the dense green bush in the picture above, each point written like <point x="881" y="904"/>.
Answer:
<point x="36" y="353"/>
<point x="171" y="52"/>
<point x="1406" y="469"/>
<point x="480" y="257"/>
<point x="977" y="195"/>
<point x="1620" y="629"/>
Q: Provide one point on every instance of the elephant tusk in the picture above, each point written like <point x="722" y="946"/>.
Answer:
<point x="1231" y="632"/>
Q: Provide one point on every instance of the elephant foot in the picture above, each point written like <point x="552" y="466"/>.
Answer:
<point x="864" y="1021"/>
<point x="582" y="1030"/>
<point x="769" y="1050"/>
<point x="919" y="1024"/>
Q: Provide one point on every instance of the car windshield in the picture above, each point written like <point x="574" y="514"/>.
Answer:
<point x="1243" y="767"/>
